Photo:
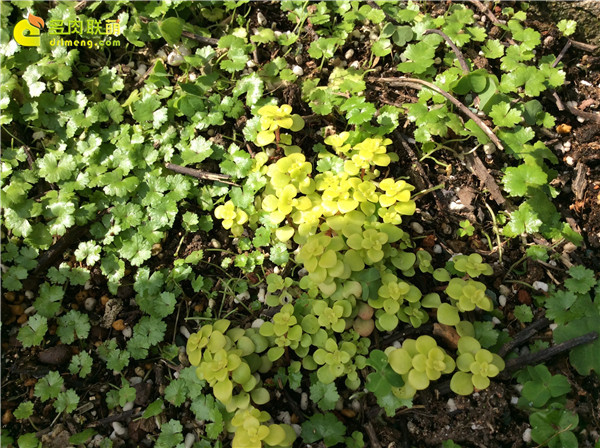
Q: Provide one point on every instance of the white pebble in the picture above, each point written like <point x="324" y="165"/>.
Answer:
<point x="88" y="285"/>
<point x="30" y="311"/>
<point x="284" y="416"/>
<point x="496" y="321"/>
<point x="567" y="145"/>
<point x="127" y="332"/>
<point x="29" y="294"/>
<point x="185" y="332"/>
<point x="552" y="263"/>
<point x="304" y="401"/>
<point x="505" y="290"/>
<point x="297" y="429"/>
<point x="396" y="344"/>
<point x="437" y="249"/>
<point x="257" y="323"/>
<point x="489" y="148"/>
<point x="135" y="380"/>
<point x="193" y="77"/>
<point x="355" y="405"/>
<point x="297" y="70"/>
<point x="215" y="244"/>
<point x="302" y="272"/>
<point x="89" y="304"/>
<point x="570" y="160"/>
<point x="451" y="405"/>
<point x="277" y="33"/>
<point x="527" y="435"/>
<point x="190" y="438"/>
<point x="242" y="296"/>
<point x="581" y="119"/>
<point x="119" y="428"/>
<point x="276" y="270"/>
<point x="418" y="228"/>
<point x="540" y="286"/>
<point x="514" y="400"/>
<point x="355" y="65"/>
<point x="250" y="63"/>
<point x="560" y="147"/>
<point x="456" y="205"/>
<point x="502" y="300"/>
<point x="349" y="53"/>
<point x="260" y="18"/>
<point x="141" y="69"/>
<point x="518" y="387"/>
<point x="161" y="54"/>
<point x="175" y="59"/>
<point x="261" y="295"/>
<point x="128" y="406"/>
<point x="553" y="326"/>
<point x="586" y="83"/>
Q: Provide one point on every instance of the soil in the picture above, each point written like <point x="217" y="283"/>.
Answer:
<point x="486" y="419"/>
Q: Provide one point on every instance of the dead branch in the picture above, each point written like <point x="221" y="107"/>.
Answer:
<point x="198" y="174"/>
<point x="457" y="52"/>
<point x="419" y="83"/>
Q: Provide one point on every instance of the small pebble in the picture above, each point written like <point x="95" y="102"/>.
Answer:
<point x="570" y="161"/>
<point x="260" y="18"/>
<point x="119" y="428"/>
<point x="175" y="59"/>
<point x="553" y="326"/>
<point x="581" y="119"/>
<point x="139" y="371"/>
<point x="540" y="286"/>
<point x="185" y="332"/>
<point x="215" y="244"/>
<point x="128" y="406"/>
<point x="527" y="435"/>
<point x="127" y="332"/>
<point x="302" y="273"/>
<point x="567" y="145"/>
<point x="304" y="401"/>
<point x="586" y="83"/>
<point x="451" y="405"/>
<point x="502" y="300"/>
<point x="250" y="63"/>
<point x="190" y="438"/>
<point x="355" y="65"/>
<point x="396" y="344"/>
<point x="496" y="321"/>
<point x="349" y="54"/>
<point x="437" y="249"/>
<point x="261" y="295"/>
<point x="135" y="380"/>
<point x="241" y="297"/>
<point x="297" y="70"/>
<point x="456" y="205"/>
<point x="505" y="290"/>
<point x="276" y="270"/>
<point x="30" y="311"/>
<point x="355" y="405"/>
<point x="29" y="294"/>
<point x="514" y="400"/>
<point x="297" y="429"/>
<point x="141" y="69"/>
<point x="572" y="103"/>
<point x="161" y="54"/>
<point x="284" y="416"/>
<point x="257" y="323"/>
<point x="89" y="304"/>
<point x="418" y="228"/>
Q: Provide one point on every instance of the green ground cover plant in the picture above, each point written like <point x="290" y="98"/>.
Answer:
<point x="296" y="268"/>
